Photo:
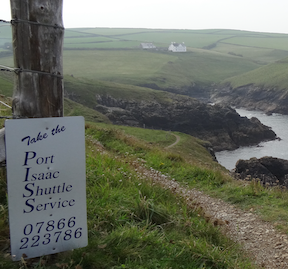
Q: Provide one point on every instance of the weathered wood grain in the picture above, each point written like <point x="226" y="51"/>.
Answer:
<point x="37" y="47"/>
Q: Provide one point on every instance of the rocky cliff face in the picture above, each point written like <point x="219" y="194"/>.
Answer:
<point x="269" y="100"/>
<point x="268" y="171"/>
<point x="199" y="92"/>
<point x="222" y="126"/>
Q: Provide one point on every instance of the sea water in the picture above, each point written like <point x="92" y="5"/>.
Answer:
<point x="276" y="148"/>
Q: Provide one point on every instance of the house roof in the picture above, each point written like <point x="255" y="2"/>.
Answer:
<point x="177" y="44"/>
<point x="148" y="45"/>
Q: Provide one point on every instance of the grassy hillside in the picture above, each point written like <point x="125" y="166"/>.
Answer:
<point x="213" y="55"/>
<point x="192" y="38"/>
<point x="75" y="109"/>
<point x="5" y="33"/>
<point x="260" y="41"/>
<point x="112" y="54"/>
<point x="70" y="108"/>
<point x="135" y="223"/>
<point x="138" y="67"/>
<point x="84" y="91"/>
<point x="167" y="70"/>
<point x="273" y="75"/>
<point x="259" y="55"/>
<point x="6" y="84"/>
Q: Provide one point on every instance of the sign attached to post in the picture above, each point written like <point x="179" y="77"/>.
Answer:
<point x="46" y="185"/>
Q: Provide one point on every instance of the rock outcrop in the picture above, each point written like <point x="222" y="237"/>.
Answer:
<point x="251" y="97"/>
<point x="268" y="170"/>
<point x="222" y="126"/>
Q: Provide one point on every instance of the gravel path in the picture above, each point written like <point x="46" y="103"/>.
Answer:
<point x="175" y="143"/>
<point x="268" y="246"/>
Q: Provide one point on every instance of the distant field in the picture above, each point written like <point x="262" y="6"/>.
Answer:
<point x="104" y="31"/>
<point x="192" y="38"/>
<point x="84" y="92"/>
<point x="261" y="55"/>
<point x="165" y="38"/>
<point x="7" y="61"/>
<point x="279" y="43"/>
<point x="6" y="85"/>
<point x="75" y="109"/>
<point x="5" y="30"/>
<point x="228" y="53"/>
<point x="145" y="67"/>
<point x="272" y="75"/>
<point x="161" y="37"/>
<point x="88" y="39"/>
<point x="114" y="54"/>
<point x="115" y="65"/>
<point x="108" y="44"/>
<point x="5" y="33"/>
<point x="138" y="67"/>
<point x="4" y="40"/>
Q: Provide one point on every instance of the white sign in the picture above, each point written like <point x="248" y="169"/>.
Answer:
<point x="46" y="185"/>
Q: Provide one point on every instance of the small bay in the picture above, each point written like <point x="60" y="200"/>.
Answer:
<point x="276" y="148"/>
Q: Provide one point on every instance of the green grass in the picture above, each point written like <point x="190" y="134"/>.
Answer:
<point x="192" y="38"/>
<point x="260" y="55"/>
<point x="108" y="44"/>
<point x="86" y="91"/>
<point x="167" y="70"/>
<point x="89" y="39"/>
<point x="236" y="53"/>
<point x="273" y="75"/>
<point x="111" y="54"/>
<point x="155" y="137"/>
<point x="191" y="164"/>
<point x="4" y="110"/>
<point x="261" y="199"/>
<point x="71" y="108"/>
<point x="203" y="68"/>
<point x="103" y="31"/>
<point x="7" y="60"/>
<point x="133" y="223"/>
<point x="5" y="33"/>
<point x="75" y="109"/>
<point x="6" y="84"/>
<point x="5" y="30"/>
<point x="279" y="43"/>
<point x="114" y="65"/>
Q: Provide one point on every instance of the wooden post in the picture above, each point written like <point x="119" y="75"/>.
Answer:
<point x="37" y="29"/>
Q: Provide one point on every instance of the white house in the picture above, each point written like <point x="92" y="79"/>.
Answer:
<point x="177" y="47"/>
<point x="146" y="46"/>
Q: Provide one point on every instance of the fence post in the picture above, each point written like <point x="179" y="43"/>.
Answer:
<point x="37" y="30"/>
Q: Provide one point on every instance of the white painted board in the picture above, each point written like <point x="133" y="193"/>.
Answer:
<point x="46" y="185"/>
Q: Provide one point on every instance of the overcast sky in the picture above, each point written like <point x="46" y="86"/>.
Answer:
<point x="253" y="15"/>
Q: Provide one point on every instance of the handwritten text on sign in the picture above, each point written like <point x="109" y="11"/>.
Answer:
<point x="46" y="185"/>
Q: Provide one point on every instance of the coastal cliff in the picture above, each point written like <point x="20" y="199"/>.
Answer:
<point x="268" y="171"/>
<point x="251" y="97"/>
<point x="221" y="125"/>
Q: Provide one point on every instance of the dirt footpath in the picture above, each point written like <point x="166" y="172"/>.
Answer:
<point x="175" y="143"/>
<point x="268" y="246"/>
